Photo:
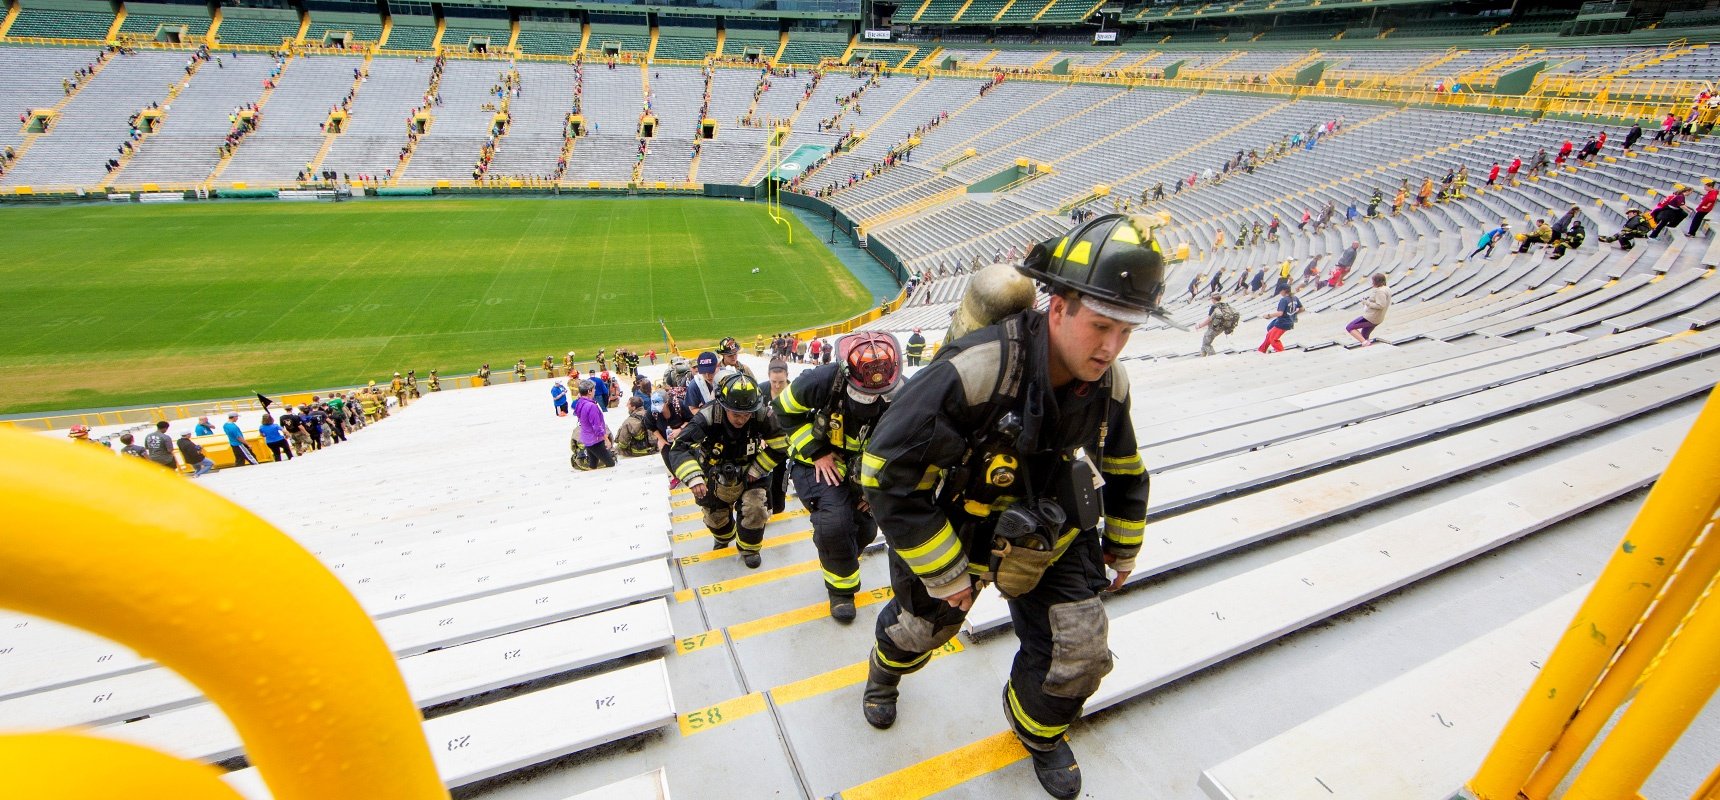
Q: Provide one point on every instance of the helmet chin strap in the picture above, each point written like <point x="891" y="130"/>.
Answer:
<point x="861" y="397"/>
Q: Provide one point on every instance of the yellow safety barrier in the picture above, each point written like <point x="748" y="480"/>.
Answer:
<point x="128" y="551"/>
<point x="1647" y="612"/>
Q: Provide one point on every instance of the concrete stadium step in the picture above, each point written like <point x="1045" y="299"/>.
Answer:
<point x="532" y="728"/>
<point x="67" y="656"/>
<point x="435" y="677"/>
<point x="1185" y="486"/>
<point x="1354" y="409"/>
<point x="1187" y="538"/>
<point x="1607" y="294"/>
<point x="1669" y="308"/>
<point x="1190" y="632"/>
<point x="1445" y="711"/>
<point x="201" y="732"/>
<point x="1631" y="301"/>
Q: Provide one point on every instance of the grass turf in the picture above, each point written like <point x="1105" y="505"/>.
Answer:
<point x="120" y="305"/>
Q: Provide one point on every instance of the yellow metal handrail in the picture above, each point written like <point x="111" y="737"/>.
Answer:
<point x="1646" y="606"/>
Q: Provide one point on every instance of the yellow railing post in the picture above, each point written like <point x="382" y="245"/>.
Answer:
<point x="219" y="596"/>
<point x="1672" y="517"/>
<point x="1687" y="676"/>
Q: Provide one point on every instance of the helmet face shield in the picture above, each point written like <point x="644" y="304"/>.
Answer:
<point x="873" y="360"/>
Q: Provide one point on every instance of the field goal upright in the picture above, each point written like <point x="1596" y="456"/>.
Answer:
<point x="775" y="161"/>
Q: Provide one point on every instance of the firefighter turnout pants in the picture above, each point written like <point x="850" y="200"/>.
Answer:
<point x="840" y="530"/>
<point x="1060" y="625"/>
<point x="737" y="508"/>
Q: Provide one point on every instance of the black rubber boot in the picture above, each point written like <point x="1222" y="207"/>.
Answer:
<point x="879" y="700"/>
<point x="842" y="607"/>
<point x="750" y="558"/>
<point x="1058" y="773"/>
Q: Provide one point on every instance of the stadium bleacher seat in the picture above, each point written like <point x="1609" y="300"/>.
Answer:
<point x="266" y="31"/>
<point x="545" y="39"/>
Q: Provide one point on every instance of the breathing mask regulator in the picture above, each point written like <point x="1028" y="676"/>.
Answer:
<point x="1031" y="530"/>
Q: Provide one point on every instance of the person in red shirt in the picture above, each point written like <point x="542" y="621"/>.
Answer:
<point x="1493" y="174"/>
<point x="1703" y="206"/>
<point x="1564" y="153"/>
<point x="1511" y="174"/>
<point x="1669" y="211"/>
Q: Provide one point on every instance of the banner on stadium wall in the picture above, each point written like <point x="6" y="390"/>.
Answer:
<point x="876" y="34"/>
<point x="1104" y="37"/>
<point x="667" y="337"/>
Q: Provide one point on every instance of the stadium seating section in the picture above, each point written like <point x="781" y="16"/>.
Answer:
<point x="267" y="32"/>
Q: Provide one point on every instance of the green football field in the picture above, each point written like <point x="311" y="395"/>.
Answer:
<point x="116" y="305"/>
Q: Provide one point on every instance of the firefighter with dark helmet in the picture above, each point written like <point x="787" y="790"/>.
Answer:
<point x="729" y="357"/>
<point x="724" y="456"/>
<point x="1010" y="460"/>
<point x="828" y="412"/>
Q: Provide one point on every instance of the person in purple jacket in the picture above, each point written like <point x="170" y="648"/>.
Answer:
<point x="592" y="433"/>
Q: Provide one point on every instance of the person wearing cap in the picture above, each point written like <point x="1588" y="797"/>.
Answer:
<point x="81" y="433"/>
<point x="1011" y="460"/>
<point x="600" y="390"/>
<point x="1635" y="227"/>
<point x="828" y="413"/>
<point x="729" y="358"/>
<point x="435" y="382"/>
<point x="397" y="387"/>
<point x="1710" y="194"/>
<point x="724" y="456"/>
<point x="192" y="452"/>
<point x="916" y="347"/>
<point x="204" y="427"/>
<point x="242" y="455"/>
<point x="702" y="384"/>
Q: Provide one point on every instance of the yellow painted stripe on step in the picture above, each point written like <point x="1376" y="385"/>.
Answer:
<point x="840" y="678"/>
<point x="942" y="772"/>
<point x="776" y="622"/>
<point x="722" y="713"/>
<point x="687" y="536"/>
<point x="1678" y="335"/>
<point x="684" y="503"/>
<point x="726" y="552"/>
<point x="698" y="641"/>
<point x="733" y="584"/>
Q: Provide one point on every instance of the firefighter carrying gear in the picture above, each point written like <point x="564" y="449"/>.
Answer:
<point x="824" y="412"/>
<point x="735" y="462"/>
<point x="937" y="473"/>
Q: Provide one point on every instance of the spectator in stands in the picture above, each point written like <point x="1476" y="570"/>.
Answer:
<point x="1511" y="172"/>
<point x="1563" y="223"/>
<point x="1703" y="206"/>
<point x="1281" y="320"/>
<point x="1635" y="227"/>
<point x="204" y="427"/>
<point x="1542" y="233"/>
<point x="192" y="452"/>
<point x="1220" y="319"/>
<point x="1346" y="262"/>
<point x="1670" y="210"/>
<point x="1373" y="312"/>
<point x="1374" y="201"/>
<point x="1424" y="196"/>
<point x="558" y="398"/>
<point x="591" y="433"/>
<point x="1194" y="285"/>
<point x="242" y="455"/>
<point x="159" y="446"/>
<point x="1572" y="237"/>
<point x="1632" y="137"/>
<point x="127" y="448"/>
<point x="1491" y="238"/>
<point x="275" y="439"/>
<point x="1668" y="126"/>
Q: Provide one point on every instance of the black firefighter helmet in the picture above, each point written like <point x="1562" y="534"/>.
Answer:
<point x="1112" y="261"/>
<point x="738" y="393"/>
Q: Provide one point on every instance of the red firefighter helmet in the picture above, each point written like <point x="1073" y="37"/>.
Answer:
<point x="874" y="361"/>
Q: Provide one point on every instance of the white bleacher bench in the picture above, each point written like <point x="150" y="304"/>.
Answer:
<point x="1446" y="712"/>
<point x="434" y="677"/>
<point x="1188" y="538"/>
<point x="201" y="732"/>
<point x="532" y="728"/>
<point x="68" y="657"/>
<point x="306" y="194"/>
<point x="1184" y="634"/>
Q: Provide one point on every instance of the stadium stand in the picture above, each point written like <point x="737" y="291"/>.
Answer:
<point x="66" y="20"/>
<point x="377" y="129"/>
<point x="539" y="121"/>
<point x="266" y="27"/>
<point x="686" y="38"/>
<point x="186" y="148"/>
<point x="463" y="121"/>
<point x="411" y="32"/>
<point x="152" y="20"/>
<point x="292" y="135"/>
<point x="620" y="33"/>
<point x="476" y="30"/>
<point x="548" y="39"/>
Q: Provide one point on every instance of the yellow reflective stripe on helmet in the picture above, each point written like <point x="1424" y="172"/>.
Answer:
<point x="1081" y="253"/>
<point x="899" y="665"/>
<point x="1030" y="724"/>
<point x="930" y="479"/>
<point x="842" y="581"/>
<point x="1126" y="234"/>
<point x="688" y="470"/>
<point x="789" y="404"/>
<point x="1125" y="465"/>
<point x="1062" y="245"/>
<point x="935" y="554"/>
<point x="1125" y="531"/>
<point x="869" y="466"/>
